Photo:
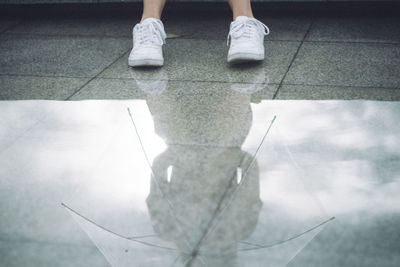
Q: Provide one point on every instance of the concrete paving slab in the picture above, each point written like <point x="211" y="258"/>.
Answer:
<point x="31" y="87"/>
<point x="334" y="92"/>
<point x="113" y="89"/>
<point x="138" y="89"/>
<point x="356" y="29"/>
<point x="346" y="64"/>
<point x="58" y="56"/>
<point x="205" y="60"/>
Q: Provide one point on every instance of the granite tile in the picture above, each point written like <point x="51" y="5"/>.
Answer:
<point x="110" y="89"/>
<point x="346" y="64"/>
<point x="316" y="92"/>
<point x="356" y="29"/>
<point x="101" y="88"/>
<point x="58" y="56"/>
<point x="30" y="87"/>
<point x="205" y="60"/>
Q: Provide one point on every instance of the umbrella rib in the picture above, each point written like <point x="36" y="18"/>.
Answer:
<point x="289" y="239"/>
<point x="141" y="143"/>
<point x="112" y="232"/>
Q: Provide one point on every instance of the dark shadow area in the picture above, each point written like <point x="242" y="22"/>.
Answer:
<point x="245" y="65"/>
<point x="147" y="68"/>
<point x="199" y="9"/>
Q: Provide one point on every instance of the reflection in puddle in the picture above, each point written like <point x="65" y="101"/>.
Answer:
<point x="200" y="174"/>
<point x="204" y="200"/>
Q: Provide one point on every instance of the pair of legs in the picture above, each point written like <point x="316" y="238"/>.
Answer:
<point x="154" y="8"/>
<point x="245" y="37"/>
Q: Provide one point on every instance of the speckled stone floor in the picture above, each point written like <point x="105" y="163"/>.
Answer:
<point x="308" y="56"/>
<point x="200" y="163"/>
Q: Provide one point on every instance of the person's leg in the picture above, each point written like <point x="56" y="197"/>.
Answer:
<point x="246" y="34"/>
<point x="152" y="9"/>
<point x="240" y="8"/>
<point x="148" y="36"/>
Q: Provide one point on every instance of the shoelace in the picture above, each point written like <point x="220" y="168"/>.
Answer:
<point x="148" y="33"/>
<point x="244" y="28"/>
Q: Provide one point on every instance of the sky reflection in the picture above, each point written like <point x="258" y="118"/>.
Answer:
<point x="320" y="159"/>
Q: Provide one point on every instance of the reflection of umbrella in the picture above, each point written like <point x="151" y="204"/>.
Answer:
<point x="142" y="239"/>
<point x="188" y="256"/>
<point x="137" y="239"/>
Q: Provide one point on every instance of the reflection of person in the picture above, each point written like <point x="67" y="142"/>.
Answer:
<point x="197" y="199"/>
<point x="246" y="35"/>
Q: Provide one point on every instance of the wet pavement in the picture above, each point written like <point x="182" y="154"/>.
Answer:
<point x="200" y="163"/>
<point x="173" y="181"/>
<point x="309" y="55"/>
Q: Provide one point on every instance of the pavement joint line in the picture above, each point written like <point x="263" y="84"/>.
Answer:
<point x="272" y="83"/>
<point x="94" y="77"/>
<point x="293" y="58"/>
<point x="352" y="42"/>
<point x="128" y="79"/>
<point x="44" y="76"/>
<point x="199" y="81"/>
<point x="345" y="86"/>
<point x="6" y="32"/>
<point x="179" y="80"/>
<point x="348" y="99"/>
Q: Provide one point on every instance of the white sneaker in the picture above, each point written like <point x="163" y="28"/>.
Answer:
<point x="246" y="36"/>
<point x="148" y="38"/>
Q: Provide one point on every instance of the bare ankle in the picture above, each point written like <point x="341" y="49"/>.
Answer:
<point x="149" y="16"/>
<point x="247" y="14"/>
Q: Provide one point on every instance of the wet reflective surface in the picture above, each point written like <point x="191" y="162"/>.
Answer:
<point x="197" y="166"/>
<point x="200" y="175"/>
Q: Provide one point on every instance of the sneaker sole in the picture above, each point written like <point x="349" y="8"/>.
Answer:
<point x="145" y="62"/>
<point x="244" y="57"/>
